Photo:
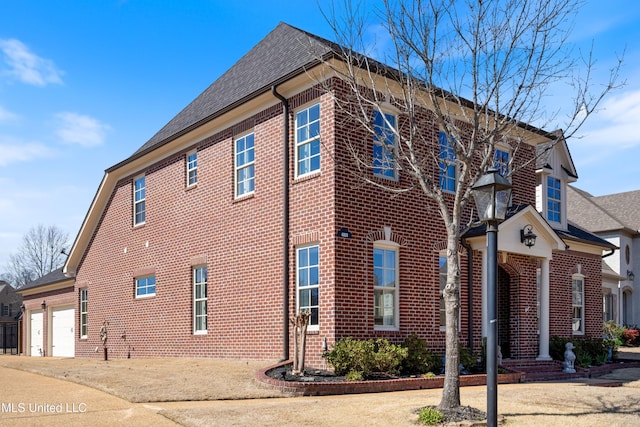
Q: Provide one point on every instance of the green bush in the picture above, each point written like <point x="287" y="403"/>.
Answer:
<point x="587" y="350"/>
<point x="365" y="357"/>
<point x="420" y="359"/>
<point x="354" y="376"/>
<point x="468" y="359"/>
<point x="430" y="416"/>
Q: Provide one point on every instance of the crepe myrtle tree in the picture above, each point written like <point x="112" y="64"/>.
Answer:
<point x="477" y="71"/>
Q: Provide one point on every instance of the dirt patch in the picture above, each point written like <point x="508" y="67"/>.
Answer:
<point x="155" y="380"/>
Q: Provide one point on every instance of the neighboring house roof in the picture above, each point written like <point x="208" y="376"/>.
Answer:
<point x="608" y="272"/>
<point x="55" y="277"/>
<point x="605" y="213"/>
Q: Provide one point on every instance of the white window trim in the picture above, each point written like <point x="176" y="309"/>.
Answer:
<point x="579" y="277"/>
<point x="137" y="202"/>
<point x="84" y="298"/>
<point x="448" y="163"/>
<point x="196" y="300"/>
<point x="192" y="168"/>
<point x="307" y="141"/>
<point x="244" y="166"/>
<point x="389" y="245"/>
<point x="298" y="249"/>
<point x="146" y="295"/>
<point x="394" y="154"/>
<point x="546" y="199"/>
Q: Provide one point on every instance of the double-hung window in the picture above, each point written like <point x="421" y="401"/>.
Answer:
<point x="501" y="162"/>
<point x="145" y="286"/>
<point x="245" y="167"/>
<point x="192" y="168"/>
<point x="554" y="199"/>
<point x="385" y="286"/>
<point x="200" y="300"/>
<point x="384" y="147"/>
<point x="139" y="200"/>
<point x="577" y="289"/>
<point x="308" y="283"/>
<point x="447" y="163"/>
<point x="84" y="312"/>
<point x="308" y="140"/>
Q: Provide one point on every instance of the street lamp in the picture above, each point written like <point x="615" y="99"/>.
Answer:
<point x="492" y="193"/>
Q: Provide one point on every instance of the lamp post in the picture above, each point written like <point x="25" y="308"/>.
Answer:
<point x="492" y="193"/>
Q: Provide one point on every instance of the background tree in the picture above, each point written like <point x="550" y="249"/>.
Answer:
<point x="483" y="69"/>
<point x="39" y="254"/>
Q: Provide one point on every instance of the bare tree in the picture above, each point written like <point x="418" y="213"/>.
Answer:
<point x="477" y="70"/>
<point x="41" y="252"/>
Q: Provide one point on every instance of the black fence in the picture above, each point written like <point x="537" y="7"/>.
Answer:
<point x="9" y="338"/>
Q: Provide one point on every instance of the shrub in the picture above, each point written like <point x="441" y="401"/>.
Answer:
<point x="632" y="336"/>
<point x="430" y="416"/>
<point x="420" y="359"/>
<point x="365" y="357"/>
<point x="586" y="349"/>
<point x="354" y="376"/>
<point x="468" y="359"/>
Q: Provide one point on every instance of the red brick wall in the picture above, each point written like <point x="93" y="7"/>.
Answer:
<point x="241" y="243"/>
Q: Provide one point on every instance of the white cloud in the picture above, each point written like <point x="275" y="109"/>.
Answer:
<point x="28" y="67"/>
<point x="76" y="128"/>
<point x="14" y="150"/>
<point x="616" y="122"/>
<point x="6" y="115"/>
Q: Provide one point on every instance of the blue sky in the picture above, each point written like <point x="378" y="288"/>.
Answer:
<point x="83" y="84"/>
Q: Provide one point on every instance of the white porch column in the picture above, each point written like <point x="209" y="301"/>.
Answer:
<point x="485" y="320"/>
<point x="544" y="312"/>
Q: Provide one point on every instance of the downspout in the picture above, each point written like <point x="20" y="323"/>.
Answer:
<point x="285" y="224"/>
<point x="464" y="243"/>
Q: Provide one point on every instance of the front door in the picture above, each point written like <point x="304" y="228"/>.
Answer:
<point x="504" y="313"/>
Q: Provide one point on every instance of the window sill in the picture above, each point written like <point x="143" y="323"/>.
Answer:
<point x="200" y="333"/>
<point x="191" y="187"/>
<point x="244" y="197"/>
<point x="307" y="177"/>
<point x="143" y="297"/>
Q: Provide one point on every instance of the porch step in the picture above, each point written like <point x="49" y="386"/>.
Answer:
<point x="542" y="370"/>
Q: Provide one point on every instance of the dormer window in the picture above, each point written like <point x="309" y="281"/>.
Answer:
<point x="554" y="199"/>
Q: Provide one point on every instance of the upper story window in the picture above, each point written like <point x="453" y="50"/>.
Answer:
<point x="308" y="283"/>
<point x="384" y="145"/>
<point x="5" y="310"/>
<point x="245" y="165"/>
<point x="385" y="286"/>
<point x="84" y="312"/>
<point x="308" y="140"/>
<point x="554" y="199"/>
<point x="145" y="286"/>
<point x="577" y="289"/>
<point x="447" y="163"/>
<point x="139" y="200"/>
<point x="501" y="161"/>
<point x="192" y="168"/>
<point x="200" y="300"/>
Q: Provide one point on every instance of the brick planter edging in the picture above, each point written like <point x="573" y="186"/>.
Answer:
<point x="301" y="388"/>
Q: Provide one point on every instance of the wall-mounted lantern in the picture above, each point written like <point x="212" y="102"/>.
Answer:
<point x="630" y="275"/>
<point x="527" y="236"/>
<point x="43" y="305"/>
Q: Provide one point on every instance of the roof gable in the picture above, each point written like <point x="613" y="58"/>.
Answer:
<point x="284" y="51"/>
<point x="604" y="213"/>
<point x="556" y="153"/>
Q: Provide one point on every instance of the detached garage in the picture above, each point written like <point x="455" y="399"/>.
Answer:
<point x="50" y="314"/>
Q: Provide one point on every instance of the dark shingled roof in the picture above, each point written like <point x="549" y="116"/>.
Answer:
<point x="604" y="213"/>
<point x="48" y="279"/>
<point x="284" y="52"/>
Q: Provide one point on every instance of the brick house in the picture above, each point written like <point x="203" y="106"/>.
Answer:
<point x="237" y="214"/>
<point x="10" y="318"/>
<point x="615" y="218"/>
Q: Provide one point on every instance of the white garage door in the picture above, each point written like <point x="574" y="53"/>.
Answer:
<point x="36" y="333"/>
<point x="63" y="340"/>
